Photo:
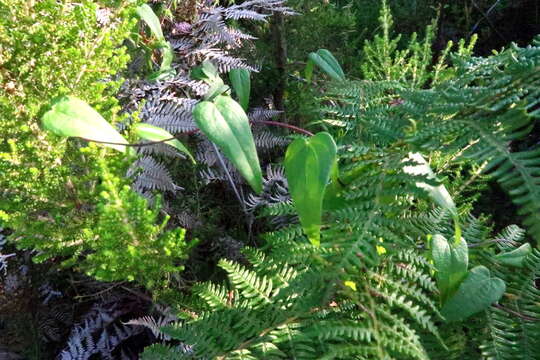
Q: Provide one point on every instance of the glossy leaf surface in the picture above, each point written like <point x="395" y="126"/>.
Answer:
<point x="308" y="165"/>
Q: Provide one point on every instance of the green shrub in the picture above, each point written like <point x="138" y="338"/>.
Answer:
<point x="60" y="198"/>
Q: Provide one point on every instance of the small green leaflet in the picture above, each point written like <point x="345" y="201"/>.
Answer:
<point x="451" y="262"/>
<point x="515" y="257"/>
<point x="476" y="293"/>
<point x="327" y="63"/>
<point x="308" y="165"/>
<point x="226" y="124"/>
<point x="241" y="84"/>
<point x="72" y="117"/>
<point x="154" y="133"/>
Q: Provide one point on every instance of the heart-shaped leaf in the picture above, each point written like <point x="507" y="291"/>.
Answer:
<point x="308" y="165"/>
<point x="154" y="133"/>
<point x="327" y="63"/>
<point x="72" y="117"/>
<point x="516" y="256"/>
<point x="451" y="262"/>
<point x="476" y="293"/>
<point x="226" y="124"/>
<point x="241" y="83"/>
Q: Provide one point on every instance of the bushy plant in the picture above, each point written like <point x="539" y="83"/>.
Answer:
<point x="61" y="198"/>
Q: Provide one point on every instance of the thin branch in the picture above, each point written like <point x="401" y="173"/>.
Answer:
<point x="130" y="145"/>
<point x="291" y="127"/>
<point x="512" y="312"/>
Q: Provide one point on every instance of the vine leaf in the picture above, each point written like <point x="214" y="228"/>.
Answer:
<point x="72" y="117"/>
<point x="451" y="262"/>
<point x="516" y="256"/>
<point x="308" y="165"/>
<point x="226" y="124"/>
<point x="476" y="293"/>
<point x="154" y="133"/>
<point x="147" y="15"/>
<point x="241" y="83"/>
<point x="327" y="63"/>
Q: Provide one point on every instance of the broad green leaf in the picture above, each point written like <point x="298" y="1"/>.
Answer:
<point x="241" y="83"/>
<point x="515" y="257"/>
<point x="476" y="293"/>
<point x="327" y="63"/>
<point x="154" y="133"/>
<point x="226" y="124"/>
<point x="439" y="194"/>
<point x="72" y="117"/>
<point x="451" y="262"/>
<point x="308" y="165"/>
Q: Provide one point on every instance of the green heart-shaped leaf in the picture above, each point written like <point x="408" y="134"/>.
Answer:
<point x="476" y="293"/>
<point x="308" y="165"/>
<point x="516" y="256"/>
<point x="451" y="262"/>
<point x="242" y="85"/>
<point x="154" y="133"/>
<point x="72" y="117"/>
<point x="227" y="125"/>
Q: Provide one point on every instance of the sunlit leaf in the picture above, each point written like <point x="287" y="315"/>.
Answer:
<point x="72" y="117"/>
<point x="308" y="165"/>
<point x="154" y="133"/>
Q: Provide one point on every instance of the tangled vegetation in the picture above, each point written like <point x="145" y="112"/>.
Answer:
<point x="189" y="180"/>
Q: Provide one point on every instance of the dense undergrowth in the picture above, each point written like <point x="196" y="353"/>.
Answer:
<point x="391" y="212"/>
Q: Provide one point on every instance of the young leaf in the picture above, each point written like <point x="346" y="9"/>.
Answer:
<point x="72" y="117"/>
<point x="327" y="63"/>
<point x="476" y="293"/>
<point x="308" y="164"/>
<point x="451" y="262"/>
<point x="242" y="85"/>
<point x="154" y="133"/>
<point x="515" y="257"/>
<point x="147" y="15"/>
<point x="227" y="125"/>
<point x="439" y="194"/>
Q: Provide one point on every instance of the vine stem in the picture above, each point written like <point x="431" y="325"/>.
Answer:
<point x="515" y="313"/>
<point x="265" y="122"/>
